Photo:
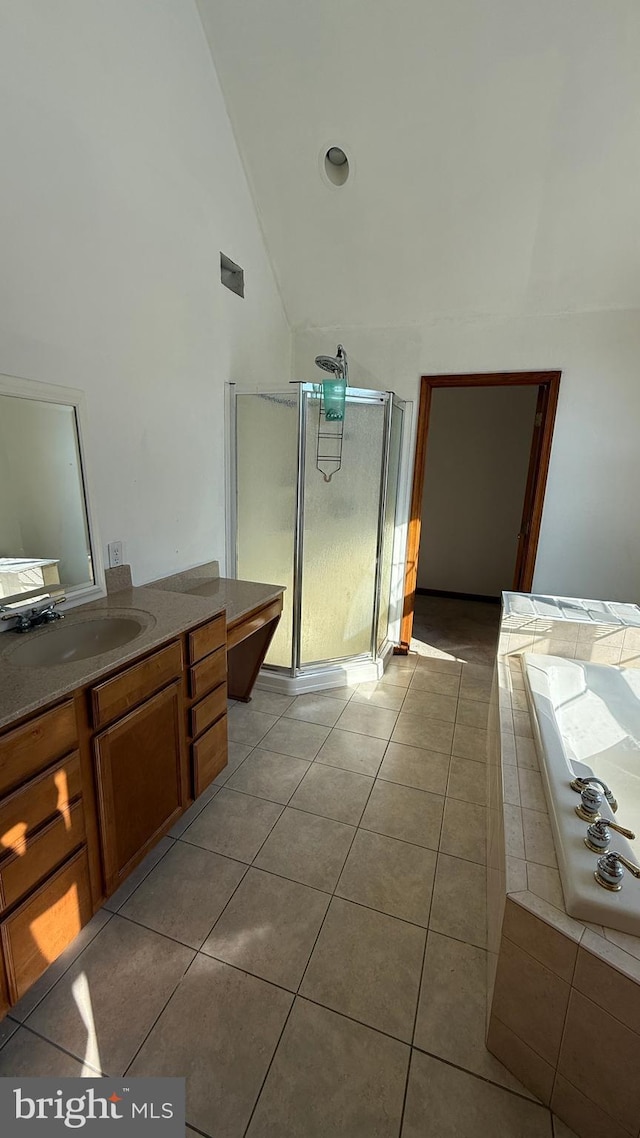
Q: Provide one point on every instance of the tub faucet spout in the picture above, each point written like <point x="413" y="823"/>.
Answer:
<point x="579" y="784"/>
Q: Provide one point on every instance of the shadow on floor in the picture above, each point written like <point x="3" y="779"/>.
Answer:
<point x="465" y="630"/>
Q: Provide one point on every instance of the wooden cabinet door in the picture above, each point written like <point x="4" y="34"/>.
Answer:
<point x="142" y="781"/>
<point x="4" y="995"/>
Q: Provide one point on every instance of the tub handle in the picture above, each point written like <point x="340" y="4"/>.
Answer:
<point x="609" y="873"/>
<point x="621" y="830"/>
<point x="579" y="784"/>
<point x="589" y="808"/>
<point x="598" y="836"/>
<point x="633" y="869"/>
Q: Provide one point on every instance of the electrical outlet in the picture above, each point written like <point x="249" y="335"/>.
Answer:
<point x="114" y="549"/>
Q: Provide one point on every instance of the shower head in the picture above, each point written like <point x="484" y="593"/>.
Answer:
<point x="337" y="364"/>
<point x="329" y="363"/>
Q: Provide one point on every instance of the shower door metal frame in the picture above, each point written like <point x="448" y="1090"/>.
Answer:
<point x="231" y="480"/>
<point x="382" y="507"/>
<point x="401" y="405"/>
<point x="306" y="392"/>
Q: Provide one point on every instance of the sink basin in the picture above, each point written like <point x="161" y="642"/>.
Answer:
<point x="65" y="643"/>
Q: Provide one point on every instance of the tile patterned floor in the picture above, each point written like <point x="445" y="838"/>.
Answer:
<point x="308" y="944"/>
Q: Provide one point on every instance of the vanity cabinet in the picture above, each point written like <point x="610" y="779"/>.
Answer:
<point x="88" y="786"/>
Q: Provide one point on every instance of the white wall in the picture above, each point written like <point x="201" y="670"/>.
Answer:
<point x="11" y="544"/>
<point x="590" y="537"/>
<point x="478" y="450"/>
<point x="121" y="183"/>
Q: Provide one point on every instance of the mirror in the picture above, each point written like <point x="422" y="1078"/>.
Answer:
<point x="45" y="533"/>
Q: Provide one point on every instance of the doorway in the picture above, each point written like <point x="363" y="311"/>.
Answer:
<point x="542" y="398"/>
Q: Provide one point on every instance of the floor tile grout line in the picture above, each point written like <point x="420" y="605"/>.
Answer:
<point x="333" y="892"/>
<point x="352" y="1019"/>
<point x="266" y="1074"/>
<point x="163" y="1009"/>
<point x="315" y="888"/>
<point x="211" y="797"/>
<point x="207" y="956"/>
<point x="337" y="766"/>
<point x="49" y="990"/>
<point x="424" y="957"/>
<point x="144" y="878"/>
<point x="173" y="991"/>
<point x="329" y="818"/>
<point x="482" y="1078"/>
<point x="64" y="1050"/>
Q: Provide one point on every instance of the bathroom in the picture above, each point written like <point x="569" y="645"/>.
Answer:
<point x="486" y="225"/>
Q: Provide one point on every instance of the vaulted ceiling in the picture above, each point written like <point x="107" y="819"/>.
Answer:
<point x="494" y="149"/>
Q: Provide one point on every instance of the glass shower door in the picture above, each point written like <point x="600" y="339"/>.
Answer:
<point x="266" y="449"/>
<point x="339" y="535"/>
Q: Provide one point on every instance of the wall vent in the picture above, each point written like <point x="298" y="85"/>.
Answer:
<point x="231" y="275"/>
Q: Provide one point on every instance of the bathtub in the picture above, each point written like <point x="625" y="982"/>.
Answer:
<point x="586" y="720"/>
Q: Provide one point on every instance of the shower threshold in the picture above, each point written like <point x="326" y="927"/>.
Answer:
<point x="348" y="673"/>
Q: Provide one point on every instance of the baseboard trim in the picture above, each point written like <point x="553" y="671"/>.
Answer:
<point x="458" y="596"/>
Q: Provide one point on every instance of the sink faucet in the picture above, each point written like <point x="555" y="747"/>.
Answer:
<point x="31" y="618"/>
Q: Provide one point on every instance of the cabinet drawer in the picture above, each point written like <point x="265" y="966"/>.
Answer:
<point x="42" y="798"/>
<point x="253" y="623"/>
<point x="209" y="709"/>
<point x="208" y="674"/>
<point x="27" y="749"/>
<point x="203" y="641"/>
<point x="42" y="853"/>
<point x="209" y="755"/>
<point x="42" y="927"/>
<point x="126" y="690"/>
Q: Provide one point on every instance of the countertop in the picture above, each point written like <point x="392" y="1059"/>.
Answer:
<point x="165" y="608"/>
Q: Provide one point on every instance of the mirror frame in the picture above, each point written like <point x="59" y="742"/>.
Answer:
<point x="68" y="397"/>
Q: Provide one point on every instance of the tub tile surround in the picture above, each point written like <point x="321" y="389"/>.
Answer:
<point x="563" y="1011"/>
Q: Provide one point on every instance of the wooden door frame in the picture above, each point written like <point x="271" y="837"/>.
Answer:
<point x="537" y="473"/>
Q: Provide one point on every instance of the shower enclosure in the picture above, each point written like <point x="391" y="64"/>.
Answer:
<point x="325" y="529"/>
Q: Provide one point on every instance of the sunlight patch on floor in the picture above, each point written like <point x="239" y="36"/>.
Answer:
<point x="82" y="999"/>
